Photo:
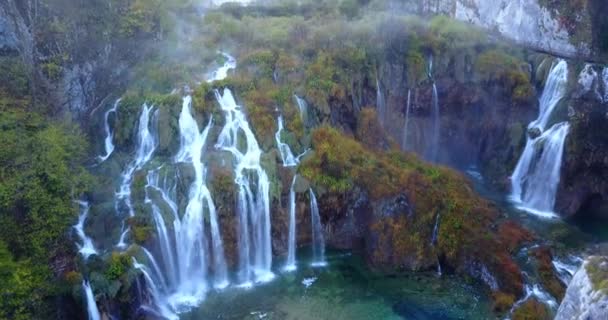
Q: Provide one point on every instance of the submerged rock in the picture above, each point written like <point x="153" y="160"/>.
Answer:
<point x="587" y="294"/>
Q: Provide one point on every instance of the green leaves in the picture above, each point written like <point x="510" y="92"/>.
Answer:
<point x="40" y="175"/>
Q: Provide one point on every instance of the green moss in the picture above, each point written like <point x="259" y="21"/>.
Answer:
<point x="141" y="228"/>
<point x="500" y="67"/>
<point x="597" y="269"/>
<point x="531" y="310"/>
<point x="118" y="265"/>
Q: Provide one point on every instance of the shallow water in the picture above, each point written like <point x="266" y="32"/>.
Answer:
<point x="346" y="289"/>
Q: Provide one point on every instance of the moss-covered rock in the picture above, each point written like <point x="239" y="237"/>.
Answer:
<point x="400" y="200"/>
<point x="532" y="309"/>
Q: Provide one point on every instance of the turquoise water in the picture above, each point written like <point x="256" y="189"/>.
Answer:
<point x="346" y="289"/>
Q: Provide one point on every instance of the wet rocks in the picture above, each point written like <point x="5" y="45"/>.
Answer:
<point x="587" y="294"/>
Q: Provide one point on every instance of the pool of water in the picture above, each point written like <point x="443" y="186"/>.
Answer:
<point x="346" y="289"/>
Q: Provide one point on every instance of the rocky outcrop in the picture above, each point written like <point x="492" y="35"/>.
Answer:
<point x="563" y="28"/>
<point x="587" y="294"/>
<point x="583" y="188"/>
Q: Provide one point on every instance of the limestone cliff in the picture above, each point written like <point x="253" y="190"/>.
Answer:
<point x="586" y="297"/>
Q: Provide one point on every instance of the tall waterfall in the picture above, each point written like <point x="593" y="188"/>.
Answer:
<point x="92" y="310"/>
<point x="193" y="238"/>
<point x="86" y="248"/>
<point x="255" y="250"/>
<point x="536" y="177"/>
<point x="108" y="144"/>
<point x="605" y="82"/>
<point x="303" y="108"/>
<point x="146" y="145"/>
<point x="318" y="241"/>
<point x="286" y="155"/>
<point x="186" y="256"/>
<point x="380" y="102"/>
<point x="436" y="117"/>
<point x="407" y="119"/>
<point x="291" y="251"/>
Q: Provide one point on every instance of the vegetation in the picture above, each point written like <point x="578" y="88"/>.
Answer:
<point x="41" y="174"/>
<point x="340" y="165"/>
<point x="597" y="269"/>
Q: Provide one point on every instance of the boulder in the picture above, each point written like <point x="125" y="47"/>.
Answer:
<point x="587" y="295"/>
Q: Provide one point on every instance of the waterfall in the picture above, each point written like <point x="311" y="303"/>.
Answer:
<point x="123" y="235"/>
<point x="108" y="144"/>
<point x="253" y="205"/>
<point x="605" y="82"/>
<point x="291" y="252"/>
<point x="303" y="108"/>
<point x="92" y="310"/>
<point x="566" y="268"/>
<point x="380" y="103"/>
<point x="222" y="72"/>
<point x="146" y="145"/>
<point x="160" y="307"/>
<point x="87" y="248"/>
<point x="536" y="177"/>
<point x="435" y="230"/>
<point x="407" y="119"/>
<point x="436" y="117"/>
<point x="318" y="241"/>
<point x="286" y="155"/>
<point x="192" y="143"/>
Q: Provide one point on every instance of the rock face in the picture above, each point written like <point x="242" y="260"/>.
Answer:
<point x="72" y="68"/>
<point x="551" y="26"/>
<point x="585" y="298"/>
<point x="583" y="187"/>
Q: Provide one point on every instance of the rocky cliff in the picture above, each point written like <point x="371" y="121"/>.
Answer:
<point x="571" y="29"/>
<point x="587" y="294"/>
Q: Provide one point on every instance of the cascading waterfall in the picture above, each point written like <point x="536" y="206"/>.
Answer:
<point x="146" y="145"/>
<point x="160" y="306"/>
<point x="286" y="155"/>
<point x="434" y="236"/>
<point x="380" y="102"/>
<point x="303" y="108"/>
<point x="318" y="241"/>
<point x="86" y="248"/>
<point x="566" y="268"/>
<point x="407" y="119"/>
<point x="605" y="82"/>
<point x="536" y="177"/>
<point x="291" y="251"/>
<point x="222" y="72"/>
<point x="92" y="310"/>
<point x="436" y="126"/>
<point x="108" y="144"/>
<point x="254" y="240"/>
<point x="122" y="243"/>
<point x="186" y="258"/>
<point x="192" y="144"/>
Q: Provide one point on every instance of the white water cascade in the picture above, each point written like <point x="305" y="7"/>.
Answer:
<point x="380" y="103"/>
<point x="92" y="310"/>
<point x="108" y="144"/>
<point x="291" y="251"/>
<point x="253" y="205"/>
<point x="86" y="248"/>
<point x="191" y="150"/>
<point x="303" y="108"/>
<point x="318" y="241"/>
<point x="222" y="72"/>
<point x="146" y="145"/>
<point x="536" y="177"/>
<point x="436" y="126"/>
<point x="286" y="155"/>
<point x="407" y="119"/>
